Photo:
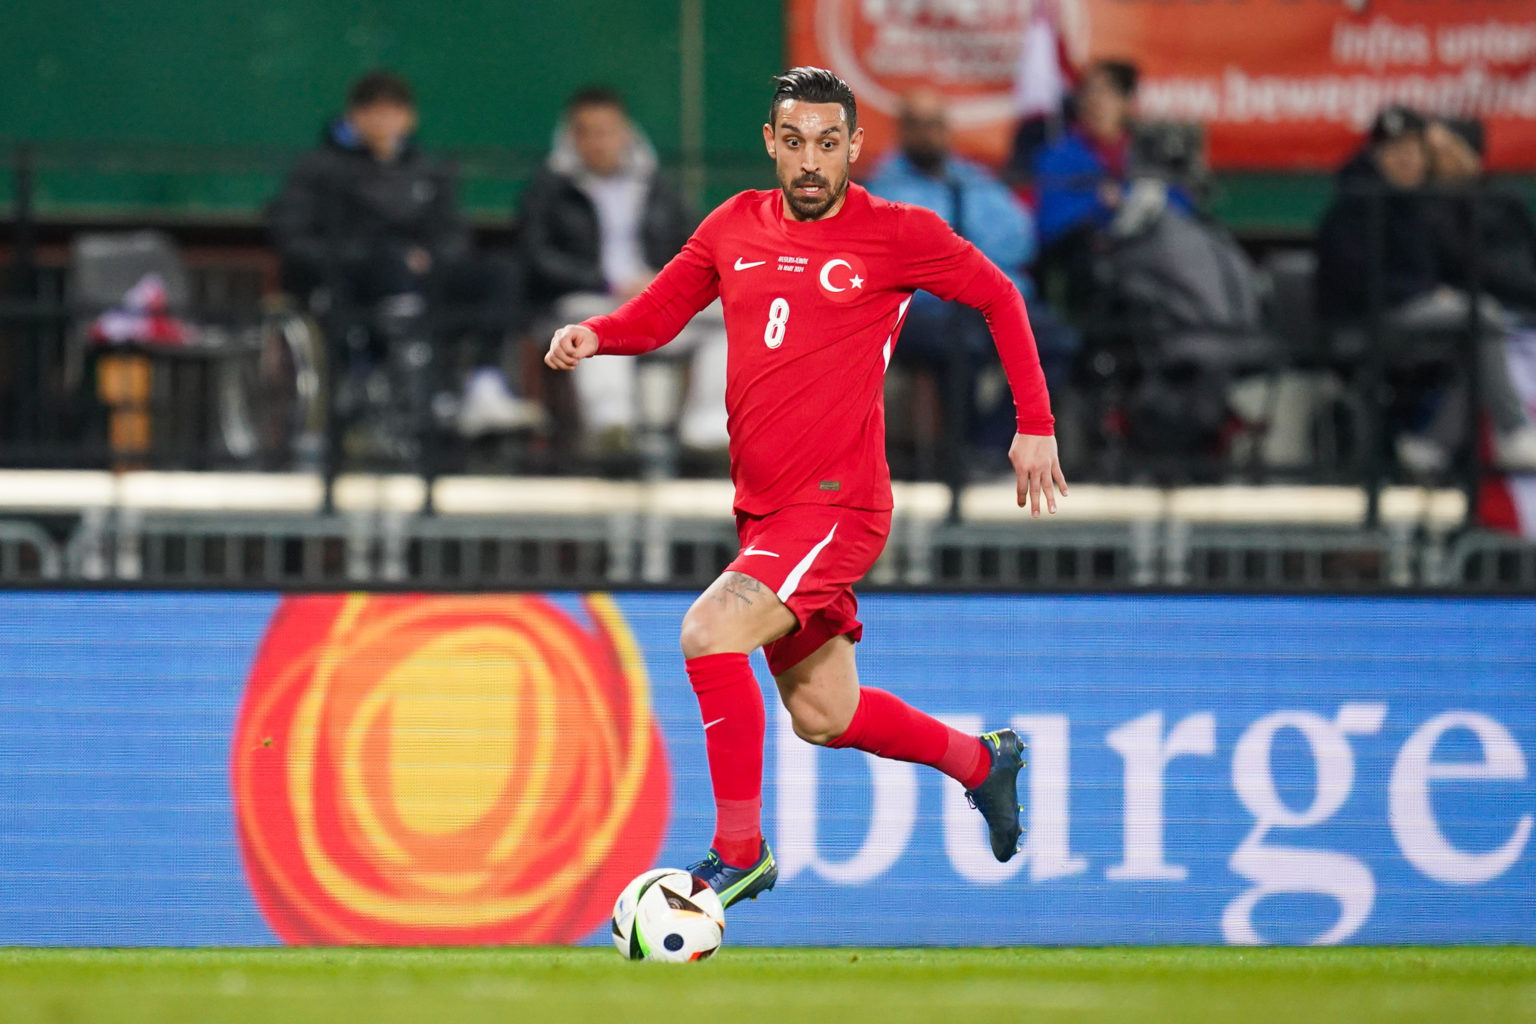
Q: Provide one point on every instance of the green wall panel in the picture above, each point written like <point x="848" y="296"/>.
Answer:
<point x="103" y="88"/>
<point x="179" y="108"/>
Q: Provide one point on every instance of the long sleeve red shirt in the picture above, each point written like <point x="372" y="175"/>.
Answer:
<point x="812" y="310"/>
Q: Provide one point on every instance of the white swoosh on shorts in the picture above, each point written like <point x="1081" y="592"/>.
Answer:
<point x="715" y="722"/>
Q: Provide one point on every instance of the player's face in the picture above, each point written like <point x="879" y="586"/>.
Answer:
<point x="812" y="150"/>
<point x="1403" y="161"/>
<point x="1102" y="109"/>
<point x="925" y="131"/>
<point x="1451" y="159"/>
<point x="383" y="127"/>
<point x="602" y="136"/>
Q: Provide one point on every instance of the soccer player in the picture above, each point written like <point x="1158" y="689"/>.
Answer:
<point x="815" y="277"/>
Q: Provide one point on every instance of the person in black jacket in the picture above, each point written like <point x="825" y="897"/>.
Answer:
<point x="1485" y="235"/>
<point x="1379" y="189"/>
<point x="597" y="223"/>
<point x="1379" y="233"/>
<point x="374" y="222"/>
<point x="1475" y="219"/>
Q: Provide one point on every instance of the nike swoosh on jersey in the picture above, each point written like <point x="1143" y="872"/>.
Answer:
<point x="715" y="722"/>
<point x="759" y="551"/>
<point x="744" y="265"/>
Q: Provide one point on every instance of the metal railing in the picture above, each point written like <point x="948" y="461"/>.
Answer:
<point x="628" y="545"/>
<point x="51" y="423"/>
<point x="28" y="553"/>
<point x="1484" y="560"/>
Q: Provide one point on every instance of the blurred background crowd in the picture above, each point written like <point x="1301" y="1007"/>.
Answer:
<point x="380" y="301"/>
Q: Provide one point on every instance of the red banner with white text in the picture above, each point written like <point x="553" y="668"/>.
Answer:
<point x="1283" y="84"/>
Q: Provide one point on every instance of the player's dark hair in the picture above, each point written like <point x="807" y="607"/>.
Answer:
<point x="813" y="85"/>
<point x="380" y="86"/>
<point x="1122" y="74"/>
<point x="594" y="96"/>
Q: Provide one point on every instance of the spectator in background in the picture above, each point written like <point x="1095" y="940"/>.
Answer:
<point x="1384" y="179"/>
<point x="1052" y="55"/>
<point x="370" y="219"/>
<point x="1083" y="178"/>
<point x="1486" y="233"/>
<point x="1496" y="228"/>
<point x="598" y="222"/>
<point x="1379" y="233"/>
<point x="923" y="171"/>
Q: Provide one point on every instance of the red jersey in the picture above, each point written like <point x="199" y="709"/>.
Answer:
<point x="812" y="310"/>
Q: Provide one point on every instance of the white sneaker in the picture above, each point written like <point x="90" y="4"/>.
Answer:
<point x="490" y="407"/>
<point x="1516" y="450"/>
<point x="1421" y="456"/>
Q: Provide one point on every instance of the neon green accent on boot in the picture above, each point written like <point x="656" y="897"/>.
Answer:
<point x="748" y="879"/>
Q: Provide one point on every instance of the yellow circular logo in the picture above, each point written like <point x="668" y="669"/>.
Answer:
<point x="431" y="770"/>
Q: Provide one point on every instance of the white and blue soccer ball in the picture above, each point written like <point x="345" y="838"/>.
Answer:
<point x="668" y="915"/>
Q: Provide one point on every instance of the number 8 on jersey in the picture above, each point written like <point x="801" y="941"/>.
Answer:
<point x="778" y="317"/>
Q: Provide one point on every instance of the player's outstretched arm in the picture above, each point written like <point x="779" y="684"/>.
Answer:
<point x="1038" y="468"/>
<point x="570" y="345"/>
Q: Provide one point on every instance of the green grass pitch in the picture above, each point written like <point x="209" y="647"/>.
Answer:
<point x="839" y="986"/>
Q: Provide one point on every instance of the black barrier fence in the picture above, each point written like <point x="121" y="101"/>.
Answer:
<point x="269" y="385"/>
<point x="312" y="379"/>
<point x="134" y="548"/>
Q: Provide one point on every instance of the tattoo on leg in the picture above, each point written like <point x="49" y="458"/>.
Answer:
<point x="740" y="586"/>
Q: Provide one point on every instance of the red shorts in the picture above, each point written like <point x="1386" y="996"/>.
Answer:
<point x="810" y="556"/>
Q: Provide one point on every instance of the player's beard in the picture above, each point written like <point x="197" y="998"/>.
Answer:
<point x="813" y="209"/>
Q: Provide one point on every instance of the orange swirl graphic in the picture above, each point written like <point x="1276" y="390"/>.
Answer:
<point x="413" y="770"/>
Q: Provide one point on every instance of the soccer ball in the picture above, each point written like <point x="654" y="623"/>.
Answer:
<point x="668" y="915"/>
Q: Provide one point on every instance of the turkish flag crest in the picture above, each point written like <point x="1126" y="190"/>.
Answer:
<point x="842" y="278"/>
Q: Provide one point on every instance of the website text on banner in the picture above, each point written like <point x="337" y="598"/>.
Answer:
<point x="234" y="769"/>
<point x="1285" y="84"/>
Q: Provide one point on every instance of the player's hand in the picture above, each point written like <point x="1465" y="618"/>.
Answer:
<point x="1038" y="469"/>
<point x="570" y="345"/>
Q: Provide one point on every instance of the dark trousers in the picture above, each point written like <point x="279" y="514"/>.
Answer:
<point x="476" y="297"/>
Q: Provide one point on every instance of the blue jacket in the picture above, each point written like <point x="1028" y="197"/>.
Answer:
<point x="995" y="222"/>
<point x="1067" y="177"/>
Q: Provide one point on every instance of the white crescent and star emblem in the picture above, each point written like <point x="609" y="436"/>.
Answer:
<point x="855" y="281"/>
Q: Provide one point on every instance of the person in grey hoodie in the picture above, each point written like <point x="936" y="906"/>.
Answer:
<point x="597" y="222"/>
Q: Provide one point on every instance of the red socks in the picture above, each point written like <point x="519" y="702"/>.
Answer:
<point x="731" y="707"/>
<point x="887" y="727"/>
